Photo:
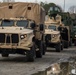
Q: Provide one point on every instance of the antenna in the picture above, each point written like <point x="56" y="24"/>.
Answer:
<point x="64" y="5"/>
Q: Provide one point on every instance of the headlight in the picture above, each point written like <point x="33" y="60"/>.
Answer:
<point x="53" y="36"/>
<point x="23" y="36"/>
<point x="75" y="35"/>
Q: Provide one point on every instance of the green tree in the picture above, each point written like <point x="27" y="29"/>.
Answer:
<point x="42" y="4"/>
<point x="49" y="5"/>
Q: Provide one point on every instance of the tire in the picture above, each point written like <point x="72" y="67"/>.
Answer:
<point x="44" y="48"/>
<point x="66" y="44"/>
<point x="30" y="55"/>
<point x="70" y="43"/>
<point x="62" y="45"/>
<point x="39" y="53"/>
<point x="5" y="55"/>
<point x="75" y="43"/>
<point x="58" y="47"/>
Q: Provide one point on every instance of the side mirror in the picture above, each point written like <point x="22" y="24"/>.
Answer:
<point x="41" y="27"/>
<point x="32" y="25"/>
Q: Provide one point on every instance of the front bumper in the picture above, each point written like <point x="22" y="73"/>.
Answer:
<point x="13" y="47"/>
<point x="54" y="41"/>
<point x="9" y="46"/>
<point x="52" y="44"/>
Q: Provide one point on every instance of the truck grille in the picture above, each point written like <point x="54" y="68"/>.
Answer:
<point x="15" y="38"/>
<point x="47" y="38"/>
<point x="9" y="38"/>
<point x="2" y="38"/>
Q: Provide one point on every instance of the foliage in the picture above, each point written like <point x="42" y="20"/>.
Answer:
<point x="49" y="5"/>
<point x="72" y="9"/>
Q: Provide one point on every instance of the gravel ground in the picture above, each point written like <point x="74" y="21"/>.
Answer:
<point x="17" y="65"/>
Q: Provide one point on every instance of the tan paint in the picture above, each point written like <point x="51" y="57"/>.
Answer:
<point x="31" y="11"/>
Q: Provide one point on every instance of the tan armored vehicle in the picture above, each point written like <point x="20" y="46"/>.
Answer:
<point x="52" y="36"/>
<point x="22" y="29"/>
<point x="57" y="25"/>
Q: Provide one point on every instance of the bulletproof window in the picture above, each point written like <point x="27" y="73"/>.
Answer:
<point x="7" y="23"/>
<point x="22" y="23"/>
<point x="52" y="27"/>
<point x="29" y="8"/>
<point x="56" y="9"/>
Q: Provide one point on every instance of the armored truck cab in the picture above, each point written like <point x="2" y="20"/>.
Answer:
<point x="63" y="19"/>
<point x="57" y="25"/>
<point x="22" y="29"/>
<point x="16" y="36"/>
<point x="52" y="36"/>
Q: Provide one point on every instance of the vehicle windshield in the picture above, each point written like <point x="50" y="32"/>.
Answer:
<point x="22" y="23"/>
<point x="7" y="23"/>
<point x="52" y="27"/>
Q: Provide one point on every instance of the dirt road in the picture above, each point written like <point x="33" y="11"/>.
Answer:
<point x="17" y="65"/>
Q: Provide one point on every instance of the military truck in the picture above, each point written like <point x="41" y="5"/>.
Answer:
<point x="22" y="29"/>
<point x="52" y="35"/>
<point x="65" y="19"/>
<point x="57" y="25"/>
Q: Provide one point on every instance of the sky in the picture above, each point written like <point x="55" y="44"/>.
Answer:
<point x="68" y="3"/>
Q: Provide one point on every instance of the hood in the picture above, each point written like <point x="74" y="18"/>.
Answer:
<point x="15" y="30"/>
<point x="51" y="31"/>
